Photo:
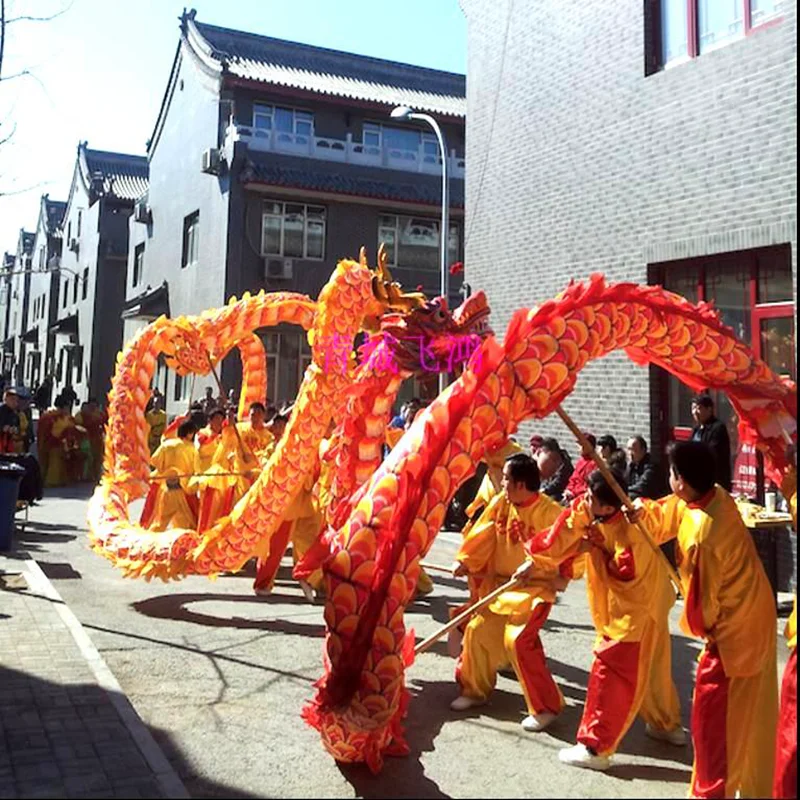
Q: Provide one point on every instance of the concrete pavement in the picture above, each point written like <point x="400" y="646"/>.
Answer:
<point x="220" y="677"/>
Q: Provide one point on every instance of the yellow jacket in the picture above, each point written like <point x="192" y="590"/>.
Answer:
<point x="728" y="599"/>
<point x="175" y="457"/>
<point x="495" y="547"/>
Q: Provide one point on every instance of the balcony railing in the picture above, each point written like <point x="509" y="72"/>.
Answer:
<point x="344" y="150"/>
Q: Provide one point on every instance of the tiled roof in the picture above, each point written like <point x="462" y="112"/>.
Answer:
<point x="124" y="176"/>
<point x="323" y="177"/>
<point x="332" y="72"/>
<point x="54" y="209"/>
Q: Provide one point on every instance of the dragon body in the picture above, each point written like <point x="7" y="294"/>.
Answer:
<point x="373" y="558"/>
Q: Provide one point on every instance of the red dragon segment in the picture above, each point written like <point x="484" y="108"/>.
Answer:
<point x="373" y="561"/>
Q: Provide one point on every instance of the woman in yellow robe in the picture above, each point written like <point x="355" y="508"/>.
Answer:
<point x="60" y="433"/>
<point x="156" y="418"/>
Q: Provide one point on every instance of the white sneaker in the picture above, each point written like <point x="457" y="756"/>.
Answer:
<point x="579" y="756"/>
<point x="463" y="703"/>
<point x="308" y="591"/>
<point x="676" y="736"/>
<point x="538" y="722"/>
<point x="263" y="592"/>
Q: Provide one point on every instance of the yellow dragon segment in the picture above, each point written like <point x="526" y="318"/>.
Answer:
<point x="191" y="345"/>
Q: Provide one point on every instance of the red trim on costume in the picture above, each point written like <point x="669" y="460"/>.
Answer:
<point x="709" y="726"/>
<point x="694" y="602"/>
<point x="267" y="569"/>
<point x="609" y="696"/>
<point x="545" y="539"/>
<point x="204" y="521"/>
<point x="149" y="508"/>
<point x="622" y="567"/>
<point x="785" y="784"/>
<point x="539" y="683"/>
<point x="705" y="500"/>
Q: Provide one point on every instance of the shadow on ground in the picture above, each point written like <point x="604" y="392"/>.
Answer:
<point x="62" y="750"/>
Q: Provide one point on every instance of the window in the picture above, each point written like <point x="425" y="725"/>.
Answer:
<point x="178" y="387"/>
<point x="138" y="264"/>
<point x="677" y="30"/>
<point x="191" y="236"/>
<point x="80" y="219"/>
<point x="286" y="124"/>
<point x="85" y="283"/>
<point x="402" y="143"/>
<point x="75" y="289"/>
<point x="65" y="296"/>
<point x="413" y="242"/>
<point x="292" y="230"/>
<point x="752" y="290"/>
<point x="42" y="265"/>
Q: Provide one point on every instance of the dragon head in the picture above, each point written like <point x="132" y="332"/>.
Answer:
<point x="429" y="338"/>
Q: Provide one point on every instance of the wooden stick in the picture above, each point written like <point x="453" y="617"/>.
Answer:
<point x="435" y="567"/>
<point x="246" y="454"/>
<point x="613" y="483"/>
<point x="466" y="614"/>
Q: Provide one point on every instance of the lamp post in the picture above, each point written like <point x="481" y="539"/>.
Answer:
<point x="405" y="113"/>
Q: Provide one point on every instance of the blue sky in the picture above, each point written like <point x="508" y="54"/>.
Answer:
<point x="100" y="70"/>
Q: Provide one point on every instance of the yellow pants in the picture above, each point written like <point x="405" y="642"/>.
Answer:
<point x="492" y="641"/>
<point x="734" y="724"/>
<point x="172" y="511"/>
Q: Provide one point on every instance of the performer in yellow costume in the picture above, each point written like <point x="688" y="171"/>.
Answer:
<point x="212" y="484"/>
<point x="729" y="604"/>
<point x="630" y="597"/>
<point x="175" y="461"/>
<point x="508" y="630"/>
<point x="61" y="435"/>
<point x="208" y="439"/>
<point x="156" y="418"/>
<point x="785" y="783"/>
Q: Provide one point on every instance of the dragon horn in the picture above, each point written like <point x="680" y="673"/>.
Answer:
<point x="362" y="256"/>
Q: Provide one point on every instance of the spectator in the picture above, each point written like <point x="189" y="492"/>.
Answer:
<point x="554" y="468"/>
<point x="618" y="461"/>
<point x="398" y="420"/>
<point x="9" y="421"/>
<point x="68" y="398"/>
<point x="536" y="444"/>
<point x="712" y="432"/>
<point x="209" y="402"/>
<point x="644" y="477"/>
<point x="43" y="395"/>
<point x="576" y="485"/>
<point x="607" y="445"/>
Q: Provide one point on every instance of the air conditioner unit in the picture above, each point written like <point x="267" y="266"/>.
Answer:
<point x="141" y="212"/>
<point x="278" y="269"/>
<point x="74" y="245"/>
<point x="211" y="161"/>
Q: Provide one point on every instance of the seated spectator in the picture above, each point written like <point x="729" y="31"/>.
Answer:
<point x="607" y="445"/>
<point x="644" y="477"/>
<point x="554" y="468"/>
<point x="576" y="485"/>
<point x="618" y="461"/>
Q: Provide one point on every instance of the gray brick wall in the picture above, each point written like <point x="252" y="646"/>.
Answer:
<point x="579" y="163"/>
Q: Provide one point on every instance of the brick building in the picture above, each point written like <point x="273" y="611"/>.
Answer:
<point x="269" y="162"/>
<point x="651" y="141"/>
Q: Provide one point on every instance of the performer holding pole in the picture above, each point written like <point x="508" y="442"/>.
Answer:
<point x="507" y="631"/>
<point x="729" y="604"/>
<point x="630" y="598"/>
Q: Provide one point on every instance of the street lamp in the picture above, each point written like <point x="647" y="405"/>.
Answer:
<point x="405" y="113"/>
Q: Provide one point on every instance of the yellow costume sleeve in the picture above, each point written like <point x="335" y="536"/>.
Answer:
<point x="479" y="544"/>
<point x="662" y="518"/>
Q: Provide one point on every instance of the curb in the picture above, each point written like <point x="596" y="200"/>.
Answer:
<point x="171" y="785"/>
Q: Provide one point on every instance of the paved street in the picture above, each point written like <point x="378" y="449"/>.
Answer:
<point x="220" y="677"/>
